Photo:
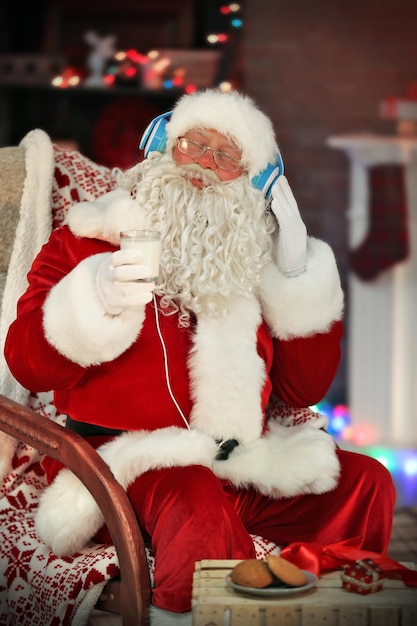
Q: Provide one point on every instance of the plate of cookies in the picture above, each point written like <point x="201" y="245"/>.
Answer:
<point x="271" y="577"/>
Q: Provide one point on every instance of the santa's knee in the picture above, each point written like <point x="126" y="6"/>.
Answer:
<point x="194" y="487"/>
<point x="369" y="475"/>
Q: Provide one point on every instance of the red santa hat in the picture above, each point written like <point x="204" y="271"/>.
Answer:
<point x="232" y="114"/>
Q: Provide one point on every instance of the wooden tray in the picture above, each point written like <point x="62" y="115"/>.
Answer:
<point x="216" y="604"/>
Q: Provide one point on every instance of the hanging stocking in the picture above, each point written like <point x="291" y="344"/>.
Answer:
<point x="387" y="241"/>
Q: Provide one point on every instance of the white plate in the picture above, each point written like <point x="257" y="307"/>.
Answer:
<point x="272" y="592"/>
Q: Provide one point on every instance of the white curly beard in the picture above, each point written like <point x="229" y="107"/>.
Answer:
<point x="215" y="240"/>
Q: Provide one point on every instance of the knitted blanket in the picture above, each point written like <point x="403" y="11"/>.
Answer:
<point x="54" y="180"/>
<point x="37" y="588"/>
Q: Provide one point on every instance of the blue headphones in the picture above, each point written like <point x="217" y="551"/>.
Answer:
<point x="154" y="139"/>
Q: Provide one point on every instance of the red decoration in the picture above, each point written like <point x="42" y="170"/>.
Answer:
<point x="388" y="240"/>
<point x="362" y="576"/>
<point x="401" y="107"/>
<point x="412" y="91"/>
<point x="117" y="131"/>
<point x="388" y="107"/>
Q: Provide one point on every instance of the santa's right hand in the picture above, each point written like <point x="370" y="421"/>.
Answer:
<point x="117" y="281"/>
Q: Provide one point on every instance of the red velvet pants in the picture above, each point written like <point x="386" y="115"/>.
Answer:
<point x="190" y="515"/>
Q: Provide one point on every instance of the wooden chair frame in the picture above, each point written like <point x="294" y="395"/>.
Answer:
<point x="129" y="597"/>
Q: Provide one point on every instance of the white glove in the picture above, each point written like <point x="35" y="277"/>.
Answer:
<point x="292" y="236"/>
<point x="115" y="281"/>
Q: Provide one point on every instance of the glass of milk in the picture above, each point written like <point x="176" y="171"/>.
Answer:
<point x="148" y="242"/>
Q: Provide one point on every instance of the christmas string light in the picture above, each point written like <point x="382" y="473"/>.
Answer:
<point x="230" y="8"/>
<point x="217" y="38"/>
<point x="130" y="67"/>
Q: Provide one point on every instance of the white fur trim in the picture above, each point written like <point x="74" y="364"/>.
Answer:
<point x="231" y="114"/>
<point x="285" y="462"/>
<point x="227" y="373"/>
<point x="306" y="304"/>
<point x="76" y="324"/>
<point x="33" y="230"/>
<point x="67" y="516"/>
<point x="83" y="612"/>
<point x="105" y="217"/>
<point x="132" y="454"/>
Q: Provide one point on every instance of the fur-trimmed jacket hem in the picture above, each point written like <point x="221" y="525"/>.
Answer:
<point x="285" y="462"/>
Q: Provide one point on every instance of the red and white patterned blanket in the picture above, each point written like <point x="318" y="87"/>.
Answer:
<point x="38" y="588"/>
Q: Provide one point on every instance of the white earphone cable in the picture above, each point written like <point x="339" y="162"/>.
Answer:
<point x="158" y="328"/>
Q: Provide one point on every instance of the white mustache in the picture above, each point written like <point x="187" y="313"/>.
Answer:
<point x="195" y="171"/>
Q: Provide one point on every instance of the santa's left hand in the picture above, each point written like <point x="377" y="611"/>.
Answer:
<point x="292" y="235"/>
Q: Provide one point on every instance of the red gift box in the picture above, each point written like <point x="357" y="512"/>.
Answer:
<point x="362" y="577"/>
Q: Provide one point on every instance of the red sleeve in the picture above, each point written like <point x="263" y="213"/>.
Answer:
<point x="36" y="364"/>
<point x="303" y="368"/>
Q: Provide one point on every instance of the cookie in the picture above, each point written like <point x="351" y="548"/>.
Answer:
<point x="285" y="571"/>
<point x="252" y="573"/>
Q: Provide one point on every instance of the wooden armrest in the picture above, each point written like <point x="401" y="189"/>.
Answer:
<point x="76" y="453"/>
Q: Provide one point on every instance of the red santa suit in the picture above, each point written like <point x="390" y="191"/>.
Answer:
<point x="111" y="372"/>
<point x="179" y="393"/>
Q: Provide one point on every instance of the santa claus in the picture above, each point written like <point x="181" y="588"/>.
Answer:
<point x="171" y="380"/>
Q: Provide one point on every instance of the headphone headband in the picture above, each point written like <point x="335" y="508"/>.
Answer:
<point x="154" y="139"/>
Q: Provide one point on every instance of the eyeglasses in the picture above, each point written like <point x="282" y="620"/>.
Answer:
<point x="196" y="150"/>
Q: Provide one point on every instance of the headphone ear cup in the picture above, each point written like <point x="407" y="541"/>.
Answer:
<point x="265" y="180"/>
<point x="154" y="139"/>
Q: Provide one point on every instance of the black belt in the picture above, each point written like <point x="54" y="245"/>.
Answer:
<point x="90" y="430"/>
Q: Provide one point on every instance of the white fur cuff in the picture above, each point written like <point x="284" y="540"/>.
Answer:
<point x="76" y="324"/>
<point x="67" y="516"/>
<point x="306" y="304"/>
<point x="285" y="462"/>
<point x="134" y="453"/>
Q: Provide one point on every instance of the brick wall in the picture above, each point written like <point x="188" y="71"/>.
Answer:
<point x="320" y="69"/>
